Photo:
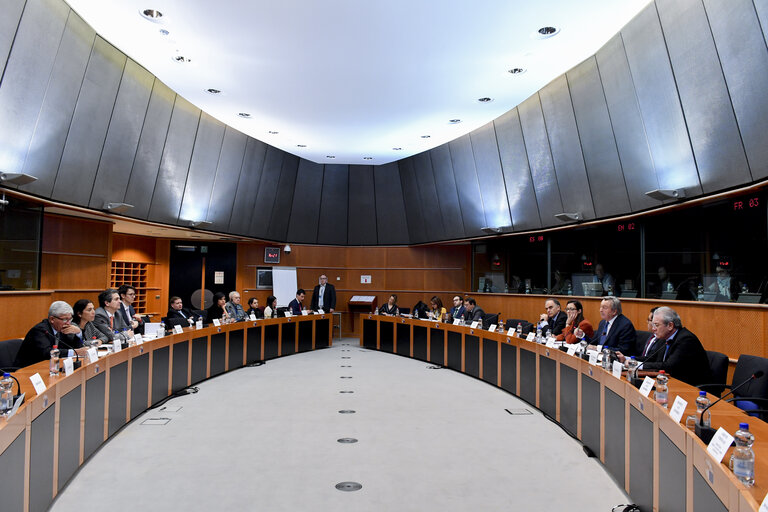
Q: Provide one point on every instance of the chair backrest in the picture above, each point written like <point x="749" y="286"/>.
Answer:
<point x="489" y="319"/>
<point x="202" y="313"/>
<point x="512" y="322"/>
<point x="641" y="338"/>
<point x="747" y="365"/>
<point x="718" y="363"/>
<point x="404" y="311"/>
<point x="8" y="351"/>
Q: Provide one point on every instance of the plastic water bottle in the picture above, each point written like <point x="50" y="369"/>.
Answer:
<point x="702" y="402"/>
<point x="743" y="458"/>
<point x="662" y="392"/>
<point x="607" y="359"/>
<point x="582" y="347"/>
<point x="519" y="330"/>
<point x="700" y="292"/>
<point x="538" y="334"/>
<point x="632" y="365"/>
<point x="161" y="330"/>
<point x="500" y="327"/>
<point x="53" y="366"/>
<point x="6" y="394"/>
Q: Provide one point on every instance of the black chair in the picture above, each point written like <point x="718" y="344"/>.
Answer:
<point x="8" y="351"/>
<point x="718" y="363"/>
<point x="490" y="319"/>
<point x="512" y="322"/>
<point x="641" y="338"/>
<point x="753" y="396"/>
<point x="202" y="313"/>
<point x="404" y="311"/>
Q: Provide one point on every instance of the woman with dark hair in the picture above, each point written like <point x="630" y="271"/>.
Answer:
<point x="271" y="310"/>
<point x="217" y="308"/>
<point x="390" y="308"/>
<point x="436" y="308"/>
<point x="254" y="309"/>
<point x="576" y="326"/>
<point x="83" y="314"/>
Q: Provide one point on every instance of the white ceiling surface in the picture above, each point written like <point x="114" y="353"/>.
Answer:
<point x="357" y="78"/>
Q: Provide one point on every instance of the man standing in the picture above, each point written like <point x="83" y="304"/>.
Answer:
<point x="126" y="311"/>
<point x="57" y="329"/>
<point x="296" y="304"/>
<point x="457" y="311"/>
<point x="234" y="308"/>
<point x="107" y="320"/>
<point x="615" y="330"/>
<point x="554" y="319"/>
<point x="323" y="296"/>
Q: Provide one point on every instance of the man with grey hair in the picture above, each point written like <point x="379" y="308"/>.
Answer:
<point x="57" y="329"/>
<point x="682" y="355"/>
<point x="234" y="308"/>
<point x="615" y="330"/>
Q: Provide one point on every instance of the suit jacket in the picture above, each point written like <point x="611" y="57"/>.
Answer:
<point x="686" y="359"/>
<point x="39" y="341"/>
<point x="129" y="318"/>
<point x="457" y="312"/>
<point x="102" y="322"/>
<point x="621" y="337"/>
<point x="476" y="315"/>
<point x="329" y="298"/>
<point x="556" y="324"/>
<point x="172" y="313"/>
<point x="294" y="307"/>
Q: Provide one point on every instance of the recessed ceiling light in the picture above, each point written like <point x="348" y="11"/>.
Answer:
<point x="454" y="121"/>
<point x="517" y="71"/>
<point x="397" y="149"/>
<point x="546" y="32"/>
<point x="425" y="136"/>
<point x="151" y="15"/>
<point x="164" y="32"/>
<point x="273" y="133"/>
<point x="181" y="59"/>
<point x="213" y="91"/>
<point x="244" y="115"/>
<point x="367" y="158"/>
<point x="301" y="145"/>
<point x="485" y="100"/>
<point x="330" y="156"/>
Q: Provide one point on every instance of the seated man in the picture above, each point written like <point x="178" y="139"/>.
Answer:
<point x="681" y="355"/>
<point x="473" y="312"/>
<point x="554" y="319"/>
<point x="177" y="310"/>
<point x="107" y="320"/>
<point x="234" y="308"/>
<point x="295" y="305"/>
<point x="57" y="329"/>
<point x="130" y="316"/>
<point x="615" y="330"/>
<point x="457" y="311"/>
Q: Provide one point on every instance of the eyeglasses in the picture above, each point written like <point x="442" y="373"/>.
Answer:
<point x="65" y="320"/>
<point x="571" y="309"/>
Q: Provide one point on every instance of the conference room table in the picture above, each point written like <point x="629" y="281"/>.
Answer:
<point x="56" y="431"/>
<point x="659" y="462"/>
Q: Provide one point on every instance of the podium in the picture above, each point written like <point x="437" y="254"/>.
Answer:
<point x="361" y="304"/>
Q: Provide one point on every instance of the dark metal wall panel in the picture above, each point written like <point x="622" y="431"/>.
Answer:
<point x="160" y="374"/>
<point x="146" y="163"/>
<point x="490" y="176"/>
<point x="220" y="209"/>
<point x="569" y="411"/>
<point x="454" y="350"/>
<point x="85" y="140"/>
<point x="281" y="210"/>
<point x="642" y="456"/>
<point x="672" y="481"/>
<point x="704" y="498"/>
<point x="744" y="60"/>
<point x="527" y="389"/>
<point x="271" y="335"/>
<point x="248" y="186"/>
<point x="199" y="363"/>
<point x="305" y="336"/>
<point x="361" y="224"/>
<point x="386" y="337"/>
<point x="202" y="170"/>
<point x="601" y="157"/>
<point x="509" y="368"/>
<point x="139" y="384"/>
<point x="265" y="196"/>
<point x="521" y="196"/>
<point x="472" y="355"/>
<point x="490" y="361"/>
<point x="180" y="366"/>
<point x="447" y="195"/>
<point x="253" y="348"/>
<point x="9" y="22"/>
<point x="659" y="102"/>
<point x="548" y="386"/>
<point x="306" y="203"/>
<point x="323" y="335"/>
<point x="235" y="359"/>
<point x="69" y="435"/>
<point x="590" y="413"/>
<point x="174" y="164"/>
<point x="12" y="483"/>
<point x="95" y="389"/>
<point x="430" y="204"/>
<point x="333" y="206"/>
<point x="403" y="333"/>
<point x="55" y="113"/>
<point x="118" y="397"/>
<point x="391" y="226"/>
<point x="412" y="197"/>
<point x="419" y="343"/>
<point x="218" y="361"/>
<point x="41" y="461"/>
<point x="25" y="80"/>
<point x="712" y="128"/>
<point x="465" y="177"/>
<point x="288" y="339"/>
<point x="627" y="124"/>
<point x="123" y="134"/>
<point x="369" y="334"/>
<point x="436" y="346"/>
<point x="614" y="434"/>
<point x="540" y="160"/>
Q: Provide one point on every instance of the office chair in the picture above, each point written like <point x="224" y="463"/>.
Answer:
<point x="512" y="322"/>
<point x="8" y="351"/>
<point x="718" y="364"/>
<point x="641" y="338"/>
<point x="490" y="319"/>
<point x="752" y="397"/>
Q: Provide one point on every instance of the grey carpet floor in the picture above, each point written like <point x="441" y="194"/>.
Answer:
<point x="265" y="438"/>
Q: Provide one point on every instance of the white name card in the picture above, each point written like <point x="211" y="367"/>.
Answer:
<point x="138" y="339"/>
<point x="646" y="387"/>
<point x="37" y="382"/>
<point x="117" y="346"/>
<point x="217" y="322"/>
<point x="177" y="329"/>
<point x="321" y="312"/>
<point x="69" y="366"/>
<point x="593" y="358"/>
<point x="763" y="505"/>
<point x="251" y="317"/>
<point x="599" y="348"/>
<point x="531" y="336"/>
<point x="474" y="325"/>
<point x="16" y="406"/>
<point x="288" y="314"/>
<point x="678" y="408"/>
<point x="456" y="321"/>
<point x="572" y="350"/>
<point x="492" y="327"/>
<point x="617" y="369"/>
<point x="199" y="323"/>
<point x="511" y="332"/>
<point x="550" y="343"/>
<point x="720" y="444"/>
<point x="93" y="355"/>
<point x="304" y="312"/>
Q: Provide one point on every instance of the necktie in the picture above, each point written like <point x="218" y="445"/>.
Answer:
<point x="182" y="314"/>
<point x="666" y="350"/>
<point x="648" y="345"/>
<point x="112" y="322"/>
<point x="604" y="335"/>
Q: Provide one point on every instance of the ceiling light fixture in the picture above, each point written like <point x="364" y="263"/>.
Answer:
<point x="546" y="32"/>
<point x="517" y="71"/>
<point x="16" y="178"/>
<point x="273" y="133"/>
<point x="164" y="32"/>
<point x="244" y="115"/>
<point x="425" y="136"/>
<point x="661" y="194"/>
<point x="367" y="158"/>
<point x="181" y="59"/>
<point x="116" y="207"/>
<point x="454" y="121"/>
<point x="199" y="223"/>
<point x="213" y="91"/>
<point x="485" y="100"/>
<point x="330" y="156"/>
<point x="301" y="145"/>
<point x="565" y="216"/>
<point x="152" y="15"/>
<point x="397" y="149"/>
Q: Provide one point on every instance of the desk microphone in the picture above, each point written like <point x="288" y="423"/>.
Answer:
<point x="706" y="433"/>
<point x="637" y="382"/>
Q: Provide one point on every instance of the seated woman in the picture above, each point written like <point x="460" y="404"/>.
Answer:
<point x="217" y="308"/>
<point x="83" y="314"/>
<point x="254" y="309"/>
<point x="436" y="309"/>
<point x="271" y="310"/>
<point x="576" y="326"/>
<point x="390" y="308"/>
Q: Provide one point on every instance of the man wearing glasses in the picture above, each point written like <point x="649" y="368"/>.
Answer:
<point x="57" y="329"/>
<point x="323" y="296"/>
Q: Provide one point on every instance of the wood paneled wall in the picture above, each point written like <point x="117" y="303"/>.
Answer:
<point x="156" y="253"/>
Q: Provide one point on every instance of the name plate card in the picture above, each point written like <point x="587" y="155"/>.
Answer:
<point x="37" y="382"/>
<point x="16" y="406"/>
<point x="511" y="332"/>
<point x="593" y="358"/>
<point x="678" y="408"/>
<point x="93" y="355"/>
<point x="617" y="369"/>
<point x="199" y="323"/>
<point x="69" y="366"/>
<point x="531" y="336"/>
<point x="138" y="339"/>
<point x="492" y="328"/>
<point x="177" y="329"/>
<point x="288" y="314"/>
<point x="304" y="312"/>
<point x="251" y="317"/>
<point x="474" y="325"/>
<point x="456" y="321"/>
<point x="550" y="343"/>
<point x="572" y="350"/>
<point x="217" y="322"/>
<point x="647" y="386"/>
<point x="321" y="312"/>
<point x="117" y="346"/>
<point x="720" y="444"/>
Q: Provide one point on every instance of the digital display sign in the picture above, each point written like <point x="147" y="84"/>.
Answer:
<point x="272" y="255"/>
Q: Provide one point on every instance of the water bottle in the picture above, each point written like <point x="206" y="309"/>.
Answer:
<point x="519" y="330"/>
<point x="607" y="359"/>
<point x="632" y="365"/>
<point x="570" y="289"/>
<point x="538" y="334"/>
<point x="161" y="330"/>
<point x="6" y="394"/>
<point x="700" y="292"/>
<point x="702" y="402"/>
<point x="582" y="347"/>
<point x="53" y="366"/>
<point x="500" y="327"/>
<point x="743" y="458"/>
<point x="662" y="392"/>
<point x="506" y="288"/>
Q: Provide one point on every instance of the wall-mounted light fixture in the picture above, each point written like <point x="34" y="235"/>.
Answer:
<point x="566" y="216"/>
<point x="663" y="194"/>
<point x="199" y="223"/>
<point x="116" y="207"/>
<point x="16" y="178"/>
<point x="497" y="230"/>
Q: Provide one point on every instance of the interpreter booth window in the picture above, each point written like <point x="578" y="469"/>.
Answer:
<point x="516" y="264"/>
<point x="595" y="261"/>
<point x="712" y="252"/>
<point x="21" y="233"/>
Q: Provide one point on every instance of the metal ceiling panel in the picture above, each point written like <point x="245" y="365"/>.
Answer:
<point x="465" y="175"/>
<point x="447" y="195"/>
<point x="361" y="224"/>
<point x="265" y="197"/>
<point x="490" y="176"/>
<point x="220" y="208"/>
<point x="9" y="22"/>
<point x="305" y="211"/>
<point x="281" y="209"/>
<point x="243" y="211"/>
<point x="411" y="196"/>
<point x="391" y="224"/>
<point x="430" y="204"/>
<point x="202" y="170"/>
<point x="333" y="207"/>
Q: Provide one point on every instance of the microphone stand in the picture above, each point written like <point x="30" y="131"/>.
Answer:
<point x="706" y="433"/>
<point x="76" y="363"/>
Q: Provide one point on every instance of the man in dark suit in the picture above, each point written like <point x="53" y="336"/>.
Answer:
<point x="177" y="310"/>
<point x="323" y="296"/>
<point x="681" y="355"/>
<point x="127" y="296"/>
<point x="107" y="318"/>
<point x="57" y="329"/>
<point x="554" y="319"/>
<point x="615" y="330"/>
<point x="457" y="311"/>
<point x="473" y="312"/>
<point x="296" y="304"/>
